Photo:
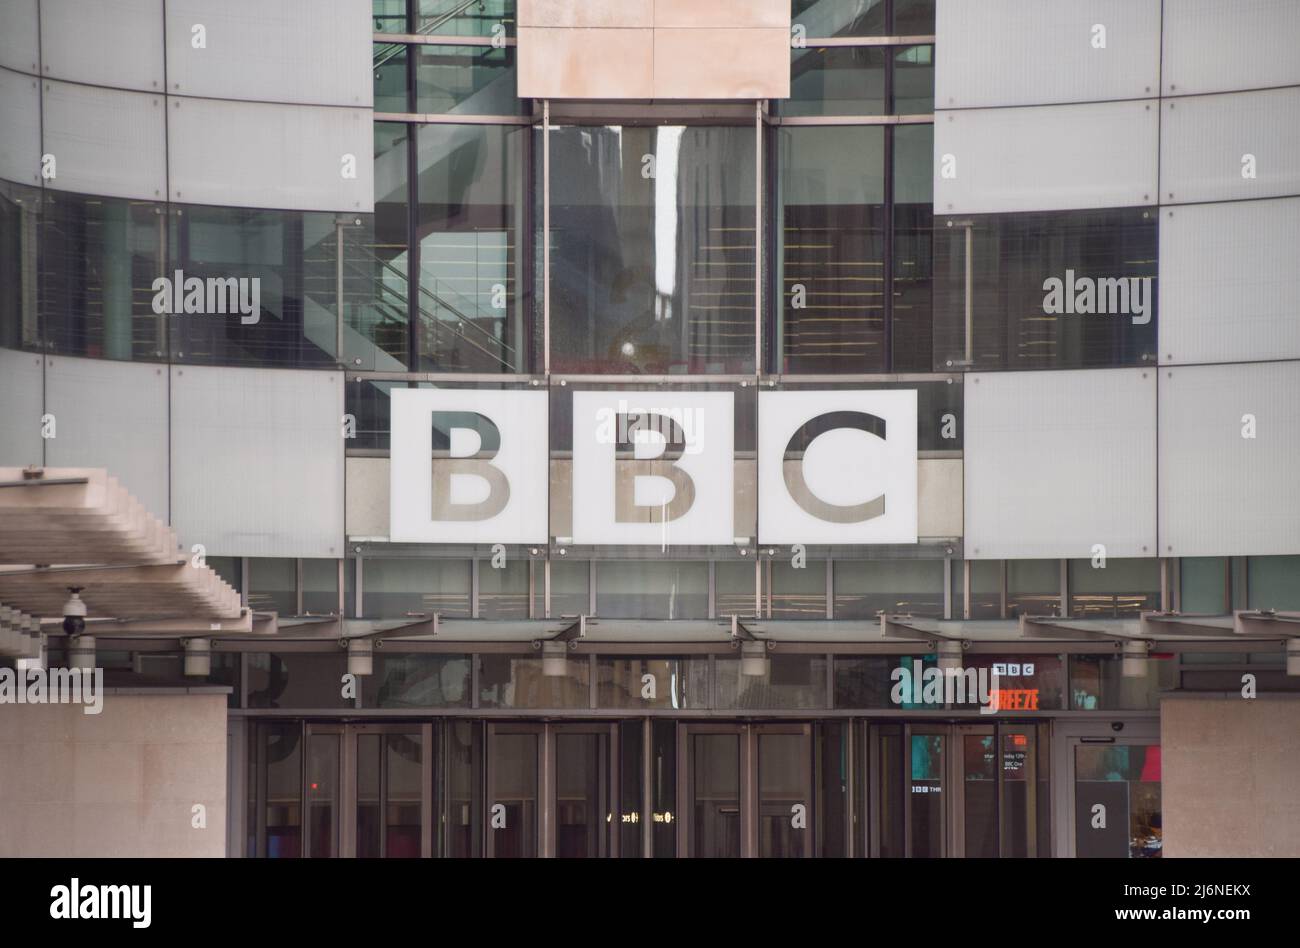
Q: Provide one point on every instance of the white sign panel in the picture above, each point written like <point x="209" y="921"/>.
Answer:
<point x="653" y="467"/>
<point x="837" y="467"/>
<point x="485" y="479"/>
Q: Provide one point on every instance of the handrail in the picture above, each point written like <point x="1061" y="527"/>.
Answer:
<point x="394" y="48"/>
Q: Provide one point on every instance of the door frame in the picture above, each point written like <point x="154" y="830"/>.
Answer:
<point x="352" y="773"/>
<point x="1066" y="736"/>
<point x="609" y="805"/>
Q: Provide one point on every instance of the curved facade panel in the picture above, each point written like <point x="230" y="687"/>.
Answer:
<point x="20" y="117"/>
<point x="20" y="36"/>
<point x="1214" y="47"/>
<point x="105" y="141"/>
<point x="116" y="43"/>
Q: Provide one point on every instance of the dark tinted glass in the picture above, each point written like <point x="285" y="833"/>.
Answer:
<point x="1022" y="265"/>
<point x="652" y="249"/>
<point x="832" y="227"/>
<point x="392" y="93"/>
<point x="914" y="80"/>
<point x="913" y="18"/>
<point x="19" y="218"/>
<point x="913" y="249"/>
<point x="417" y="681"/>
<point x="99" y="259"/>
<point x="826" y="18"/>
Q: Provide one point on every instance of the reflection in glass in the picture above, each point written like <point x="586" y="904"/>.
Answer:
<point x="99" y="258"/>
<point x="513" y="795"/>
<point x="798" y="593"/>
<point x="508" y="681"/>
<point x="715" y="795"/>
<point x="659" y="589"/>
<point x="322" y="794"/>
<point x="822" y="19"/>
<point x="980" y="776"/>
<point x="296" y="680"/>
<point x="1096" y="683"/>
<point x="792" y="681"/>
<point x="458" y="18"/>
<point x="417" y="681"/>
<point x="463" y="789"/>
<point x="913" y="239"/>
<point x="832" y="227"/>
<point x="1122" y="588"/>
<point x="273" y="585"/>
<point x="19" y="236"/>
<point x="913" y="80"/>
<point x="1033" y="588"/>
<point x="390" y="65"/>
<point x="865" y="588"/>
<point x="397" y="588"/>
<point x="570" y="580"/>
<point x="466" y="80"/>
<point x="1125" y="779"/>
<point x="503" y="592"/>
<point x="927" y="800"/>
<point x="282" y="791"/>
<point x="470" y="227"/>
<point x="652" y="256"/>
<point x="836" y="80"/>
<point x="583" y="816"/>
<point x="622" y="682"/>
<point x="1014" y="255"/>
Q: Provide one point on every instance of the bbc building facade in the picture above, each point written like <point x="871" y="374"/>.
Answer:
<point x="613" y="428"/>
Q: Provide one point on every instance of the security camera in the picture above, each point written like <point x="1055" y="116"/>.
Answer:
<point x="1117" y="725"/>
<point x="74" y="612"/>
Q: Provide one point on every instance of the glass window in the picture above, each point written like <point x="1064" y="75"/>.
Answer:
<point x="503" y="592"/>
<point x="458" y="18"/>
<point x="511" y="681"/>
<point x="229" y="568"/>
<point x="320" y="587"/>
<point x="1033" y="588"/>
<point x="791" y="682"/>
<point x="1204" y="585"/>
<point x="1125" y="779"/>
<point x="395" y="588"/>
<point x="389" y="16"/>
<point x="1273" y="582"/>
<point x="863" y="681"/>
<point x="822" y="19"/>
<point x="652" y="249"/>
<point x="297" y="680"/>
<point x="832" y="203"/>
<point x="913" y="18"/>
<point x="913" y="250"/>
<point x="570" y="580"/>
<point x="20" y="209"/>
<point x="914" y="80"/>
<point x="985" y="588"/>
<point x="836" y="80"/>
<point x="1027" y="682"/>
<point x="99" y="258"/>
<point x="1024" y="315"/>
<point x="273" y="585"/>
<point x="798" y="593"/>
<point x="417" y="681"/>
<point x="865" y="588"/>
<point x="733" y="588"/>
<point x="377" y="311"/>
<point x="1096" y="683"/>
<point x="467" y="80"/>
<point x="392" y="93"/>
<point x="662" y="589"/>
<point x="635" y="681"/>
<point x="278" y="787"/>
<point x="1123" y="587"/>
<point x="472" y="308"/>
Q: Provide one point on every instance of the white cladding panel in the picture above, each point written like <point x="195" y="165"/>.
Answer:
<point x="112" y="415"/>
<point x="20" y="118"/>
<point x="254" y="154"/>
<point x="20" y="36"/>
<point x="1224" y="492"/>
<point x="257" y="461"/>
<point x="1046" y="158"/>
<point x="1212" y="46"/>
<point x="23" y="402"/>
<point x="1058" y="462"/>
<point x="105" y="141"/>
<point x="1230" y="281"/>
<point x="1009" y="52"/>
<point x="115" y="43"/>
<point x="314" y="52"/>
<point x="1229" y="147"/>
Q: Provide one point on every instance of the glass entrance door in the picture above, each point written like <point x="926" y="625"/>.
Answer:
<point x="584" y="782"/>
<point x="392" y="791"/>
<point x="513" y="755"/>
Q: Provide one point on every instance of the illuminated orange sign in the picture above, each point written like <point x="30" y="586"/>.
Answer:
<point x="1015" y="699"/>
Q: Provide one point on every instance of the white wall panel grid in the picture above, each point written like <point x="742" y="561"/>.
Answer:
<point x="1213" y="46"/>
<point x="1205" y="141"/>
<point x="1222" y="492"/>
<point x="20" y="128"/>
<point x="1230" y="281"/>
<point x="111" y="415"/>
<point x="254" y="154"/>
<point x="105" y="141"/>
<point x="314" y="52"/>
<point x="1009" y="52"/>
<point x="1046" y="158"/>
<point x="20" y="35"/>
<point x="116" y="43"/>
<point x="22" y="402"/>
<point x="1059" y="462"/>
<point x="257" y="461"/>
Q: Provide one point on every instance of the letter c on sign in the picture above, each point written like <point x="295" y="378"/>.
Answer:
<point x="792" y="467"/>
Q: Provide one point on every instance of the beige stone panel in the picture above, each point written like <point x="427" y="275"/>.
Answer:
<point x="725" y="14"/>
<point x="167" y="830"/>
<point x="183" y="772"/>
<point x="368" y="496"/>
<point x="40" y="829"/>
<point x="721" y="64"/>
<point x="586" y="63"/>
<point x="169" y="719"/>
<point x="36" y="722"/>
<point x="103" y="830"/>
<point x="622" y="14"/>
<point x="108" y="773"/>
<point x="44" y="773"/>
<point x="939" y="497"/>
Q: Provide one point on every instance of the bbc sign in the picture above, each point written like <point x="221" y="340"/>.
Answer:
<point x="653" y="468"/>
